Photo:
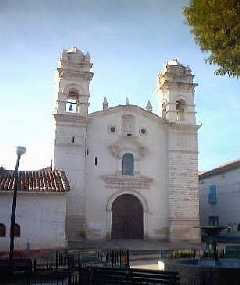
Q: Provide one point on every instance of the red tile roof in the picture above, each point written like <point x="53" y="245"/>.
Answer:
<point x="221" y="169"/>
<point x="43" y="180"/>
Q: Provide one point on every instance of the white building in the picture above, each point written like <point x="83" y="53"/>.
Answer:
<point x="40" y="212"/>
<point x="220" y="196"/>
<point x="132" y="173"/>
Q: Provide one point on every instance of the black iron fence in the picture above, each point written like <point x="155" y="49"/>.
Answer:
<point x="191" y="253"/>
<point x="87" y="267"/>
<point x="96" y="276"/>
<point x="72" y="260"/>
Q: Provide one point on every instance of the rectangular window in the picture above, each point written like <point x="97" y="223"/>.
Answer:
<point x="128" y="164"/>
<point x="212" y="194"/>
<point x="213" y="220"/>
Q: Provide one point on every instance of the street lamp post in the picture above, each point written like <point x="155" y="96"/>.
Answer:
<point x="20" y="151"/>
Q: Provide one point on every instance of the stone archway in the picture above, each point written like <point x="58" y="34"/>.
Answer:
<point x="127" y="218"/>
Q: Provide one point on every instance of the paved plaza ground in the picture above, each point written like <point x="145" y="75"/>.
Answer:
<point x="133" y="244"/>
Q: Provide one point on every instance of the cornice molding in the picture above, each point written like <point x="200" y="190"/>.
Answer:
<point x="182" y="126"/>
<point x="69" y="74"/>
<point x="183" y="151"/>
<point x="124" y="182"/>
<point x="125" y="109"/>
<point x="75" y="119"/>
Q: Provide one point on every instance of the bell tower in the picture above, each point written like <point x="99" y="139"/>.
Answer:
<point x="71" y="118"/>
<point x="73" y="82"/>
<point x="176" y="91"/>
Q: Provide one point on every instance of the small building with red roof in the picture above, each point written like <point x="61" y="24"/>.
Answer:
<point x="41" y="208"/>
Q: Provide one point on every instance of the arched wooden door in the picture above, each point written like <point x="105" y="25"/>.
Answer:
<point x="127" y="218"/>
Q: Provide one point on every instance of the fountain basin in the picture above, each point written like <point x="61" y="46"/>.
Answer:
<point x="206" y="271"/>
<point x="209" y="263"/>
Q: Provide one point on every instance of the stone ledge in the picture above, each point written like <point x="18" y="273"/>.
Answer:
<point x="127" y="182"/>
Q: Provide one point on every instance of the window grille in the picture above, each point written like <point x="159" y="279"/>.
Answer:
<point x="128" y="164"/>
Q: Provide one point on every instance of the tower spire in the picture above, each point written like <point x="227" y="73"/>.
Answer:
<point x="105" y="104"/>
<point x="176" y="90"/>
<point x="149" y="106"/>
<point x="74" y="77"/>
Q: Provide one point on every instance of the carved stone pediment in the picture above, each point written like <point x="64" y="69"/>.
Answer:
<point x="123" y="182"/>
<point x="127" y="144"/>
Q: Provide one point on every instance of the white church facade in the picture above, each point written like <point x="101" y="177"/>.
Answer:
<point x="133" y="174"/>
<point x="123" y="172"/>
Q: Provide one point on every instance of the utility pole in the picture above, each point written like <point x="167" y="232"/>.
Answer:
<point x="20" y="151"/>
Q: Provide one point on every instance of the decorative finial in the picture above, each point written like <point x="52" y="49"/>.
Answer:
<point x="149" y="106"/>
<point x="87" y="56"/>
<point x="105" y="104"/>
<point x="127" y="101"/>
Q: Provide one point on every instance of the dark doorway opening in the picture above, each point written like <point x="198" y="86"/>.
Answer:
<point x="127" y="218"/>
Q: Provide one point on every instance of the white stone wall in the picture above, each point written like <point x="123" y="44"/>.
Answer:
<point x="165" y="178"/>
<point x="165" y="158"/>
<point x="150" y="153"/>
<point x="41" y="218"/>
<point x="228" y="198"/>
<point x="70" y="156"/>
<point x="183" y="183"/>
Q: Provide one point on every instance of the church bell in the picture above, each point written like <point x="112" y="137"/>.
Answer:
<point x="70" y="107"/>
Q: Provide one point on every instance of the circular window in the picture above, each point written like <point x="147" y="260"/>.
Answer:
<point x="113" y="129"/>
<point x="143" y="131"/>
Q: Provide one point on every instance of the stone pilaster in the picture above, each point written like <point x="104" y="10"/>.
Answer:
<point x="183" y="188"/>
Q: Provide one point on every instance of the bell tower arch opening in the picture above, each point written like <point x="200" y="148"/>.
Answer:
<point x="74" y="76"/>
<point x="180" y="108"/>
<point x="176" y="88"/>
<point x="127" y="218"/>
<point x="72" y="104"/>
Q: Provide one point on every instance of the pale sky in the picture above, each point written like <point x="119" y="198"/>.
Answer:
<point x="129" y="43"/>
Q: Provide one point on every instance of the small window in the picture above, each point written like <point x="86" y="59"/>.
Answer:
<point x="2" y="230"/>
<point x="212" y="194"/>
<point x="113" y="129"/>
<point x="16" y="230"/>
<point x="143" y="131"/>
<point x="73" y="139"/>
<point x="128" y="164"/>
<point x="96" y="161"/>
<point x="213" y="220"/>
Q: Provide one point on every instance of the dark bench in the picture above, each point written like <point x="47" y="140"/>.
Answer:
<point x="18" y="264"/>
<point x="112" y="276"/>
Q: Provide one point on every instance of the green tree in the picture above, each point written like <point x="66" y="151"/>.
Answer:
<point x="215" y="25"/>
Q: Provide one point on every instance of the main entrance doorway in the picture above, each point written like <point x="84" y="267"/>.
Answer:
<point x="127" y="218"/>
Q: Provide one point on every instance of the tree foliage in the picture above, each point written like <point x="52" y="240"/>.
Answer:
<point x="215" y="25"/>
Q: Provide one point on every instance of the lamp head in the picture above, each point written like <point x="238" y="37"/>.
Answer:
<point x="20" y="150"/>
